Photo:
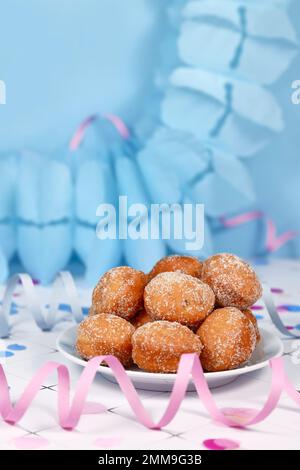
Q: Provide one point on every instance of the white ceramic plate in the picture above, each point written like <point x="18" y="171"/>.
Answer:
<point x="269" y="347"/>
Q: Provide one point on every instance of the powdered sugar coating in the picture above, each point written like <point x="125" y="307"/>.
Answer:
<point x="252" y="318"/>
<point x="228" y="339"/>
<point x="105" y="334"/>
<point x="233" y="281"/>
<point x="185" y="264"/>
<point x="175" y="296"/>
<point x="158" y="346"/>
<point x="120" y="292"/>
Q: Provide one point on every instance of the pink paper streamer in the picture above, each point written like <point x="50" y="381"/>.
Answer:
<point x="273" y="242"/>
<point x="117" y="122"/>
<point x="69" y="414"/>
<point x="240" y="219"/>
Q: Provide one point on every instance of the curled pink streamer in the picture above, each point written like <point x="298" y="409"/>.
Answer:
<point x="117" y="122"/>
<point x="69" y="414"/>
<point x="273" y="241"/>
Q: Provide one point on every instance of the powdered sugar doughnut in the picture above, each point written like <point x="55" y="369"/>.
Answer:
<point x="141" y="318"/>
<point x="158" y="346"/>
<point x="105" y="334"/>
<point x="185" y="264"/>
<point x="228" y="339"/>
<point x="252" y="318"/>
<point x="120" y="292"/>
<point x="175" y="296"/>
<point x="233" y="281"/>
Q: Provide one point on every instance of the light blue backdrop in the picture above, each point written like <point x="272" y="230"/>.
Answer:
<point x="65" y="59"/>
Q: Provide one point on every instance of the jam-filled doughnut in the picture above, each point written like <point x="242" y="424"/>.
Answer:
<point x="228" y="339"/>
<point x="175" y="296"/>
<point x="141" y="318"/>
<point x="120" y="292"/>
<point x="185" y="264"/>
<point x="252" y="318"/>
<point x="105" y="334"/>
<point x="233" y="281"/>
<point x="158" y="346"/>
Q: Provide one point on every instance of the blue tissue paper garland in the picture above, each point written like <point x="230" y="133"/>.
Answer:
<point x="218" y="58"/>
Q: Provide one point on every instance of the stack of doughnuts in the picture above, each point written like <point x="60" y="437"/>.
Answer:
<point x="182" y="306"/>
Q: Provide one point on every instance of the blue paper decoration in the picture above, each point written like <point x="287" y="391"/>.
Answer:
<point x="226" y="53"/>
<point x="218" y="58"/>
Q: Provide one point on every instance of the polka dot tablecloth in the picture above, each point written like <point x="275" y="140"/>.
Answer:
<point x="112" y="425"/>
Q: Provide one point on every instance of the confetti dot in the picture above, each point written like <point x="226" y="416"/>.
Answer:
<point x="277" y="290"/>
<point x="257" y="307"/>
<point x="281" y="309"/>
<point x="289" y="308"/>
<point x="27" y="443"/>
<point x="107" y="442"/>
<point x="16" y="347"/>
<point x="221" y="444"/>
<point x="289" y="327"/>
<point x="13" y="308"/>
<point x="85" y="310"/>
<point x="64" y="307"/>
<point x="6" y="354"/>
<point x="297" y="326"/>
<point x="259" y="317"/>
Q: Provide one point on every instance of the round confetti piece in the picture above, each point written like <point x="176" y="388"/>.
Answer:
<point x="16" y="347"/>
<point x="85" y="310"/>
<point x="221" y="444"/>
<point x="277" y="290"/>
<point x="6" y="354"/>
<point x="289" y="308"/>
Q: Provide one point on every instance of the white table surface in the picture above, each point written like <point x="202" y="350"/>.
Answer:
<point x="116" y="427"/>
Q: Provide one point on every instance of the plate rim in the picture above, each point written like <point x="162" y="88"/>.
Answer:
<point x="171" y="377"/>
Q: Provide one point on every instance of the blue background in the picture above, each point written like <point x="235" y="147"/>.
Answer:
<point x="65" y="59"/>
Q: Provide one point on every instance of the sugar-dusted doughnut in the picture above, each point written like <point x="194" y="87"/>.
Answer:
<point x="228" y="339"/>
<point x="175" y="296"/>
<point x="186" y="264"/>
<point x="158" y="346"/>
<point x="120" y="292"/>
<point x="233" y="281"/>
<point x="105" y="334"/>
<point x="252" y="318"/>
<point x="141" y="318"/>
